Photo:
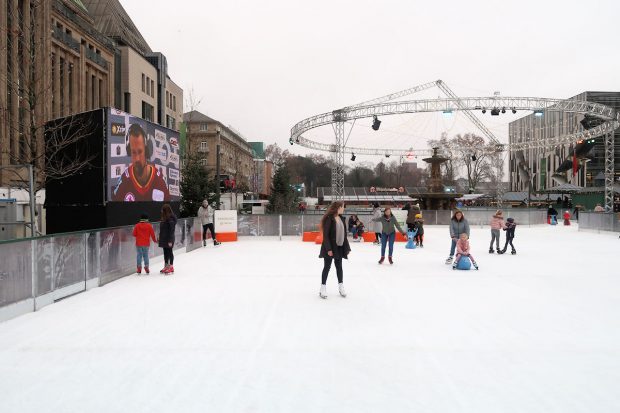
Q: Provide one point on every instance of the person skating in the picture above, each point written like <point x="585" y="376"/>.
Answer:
<point x="412" y="211"/>
<point x="566" y="218"/>
<point x="497" y="223"/>
<point x="334" y="247"/>
<point x="510" y="235"/>
<point x="463" y="249"/>
<point x="389" y="224"/>
<point x="458" y="226"/>
<point x="143" y="232"/>
<point x="375" y="226"/>
<point x="206" y="214"/>
<point x="419" y="236"/>
<point x="359" y="231"/>
<point x="166" y="238"/>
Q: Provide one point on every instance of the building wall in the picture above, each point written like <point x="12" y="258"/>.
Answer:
<point x="235" y="153"/>
<point x="138" y="85"/>
<point x="174" y="105"/>
<point x="541" y="163"/>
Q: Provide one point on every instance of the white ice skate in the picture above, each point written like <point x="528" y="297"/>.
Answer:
<point x="341" y="290"/>
<point x="449" y="260"/>
<point x="323" y="292"/>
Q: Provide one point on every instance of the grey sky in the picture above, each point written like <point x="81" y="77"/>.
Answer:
<point x="263" y="66"/>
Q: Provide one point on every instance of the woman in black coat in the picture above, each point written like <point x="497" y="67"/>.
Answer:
<point x="335" y="245"/>
<point x="166" y="237"/>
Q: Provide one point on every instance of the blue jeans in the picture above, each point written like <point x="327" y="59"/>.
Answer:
<point x="143" y="252"/>
<point x="453" y="247"/>
<point x="385" y="238"/>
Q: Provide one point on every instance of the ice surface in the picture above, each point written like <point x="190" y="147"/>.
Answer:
<point x="241" y="328"/>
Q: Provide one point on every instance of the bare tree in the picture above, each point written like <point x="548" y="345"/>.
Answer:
<point x="30" y="101"/>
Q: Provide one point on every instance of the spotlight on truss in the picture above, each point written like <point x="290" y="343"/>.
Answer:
<point x="353" y="157"/>
<point x="375" y="123"/>
<point x="538" y="113"/>
<point x="495" y="112"/>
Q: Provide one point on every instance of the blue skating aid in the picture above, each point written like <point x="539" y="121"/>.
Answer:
<point x="410" y="243"/>
<point x="554" y="221"/>
<point x="464" y="264"/>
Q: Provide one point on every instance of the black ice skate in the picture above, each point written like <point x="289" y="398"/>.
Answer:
<point x="513" y="252"/>
<point x="216" y="242"/>
<point x="491" y="251"/>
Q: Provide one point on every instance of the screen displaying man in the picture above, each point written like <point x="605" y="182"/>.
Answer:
<point x="141" y="181"/>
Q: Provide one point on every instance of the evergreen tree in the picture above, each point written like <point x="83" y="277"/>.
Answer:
<point x="283" y="198"/>
<point x="196" y="186"/>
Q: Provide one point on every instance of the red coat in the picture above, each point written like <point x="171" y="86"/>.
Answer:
<point x="566" y="215"/>
<point x="143" y="231"/>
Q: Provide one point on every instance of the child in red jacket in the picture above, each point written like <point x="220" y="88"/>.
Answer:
<point x="143" y="232"/>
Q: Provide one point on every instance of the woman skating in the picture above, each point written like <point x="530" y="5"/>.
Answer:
<point x="335" y="245"/>
<point x="389" y="224"/>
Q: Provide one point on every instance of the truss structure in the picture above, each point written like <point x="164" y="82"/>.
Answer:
<point x="386" y="105"/>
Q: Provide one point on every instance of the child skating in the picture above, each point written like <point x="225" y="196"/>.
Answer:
<point x="463" y="250"/>
<point x="497" y="223"/>
<point x="389" y="225"/>
<point x="419" y="236"/>
<point x="510" y="235"/>
<point x="144" y="233"/>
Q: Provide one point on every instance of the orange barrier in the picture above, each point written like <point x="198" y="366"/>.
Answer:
<point x="369" y="237"/>
<point x="310" y="236"/>
<point x="319" y="238"/>
<point x="227" y="236"/>
<point x="400" y="237"/>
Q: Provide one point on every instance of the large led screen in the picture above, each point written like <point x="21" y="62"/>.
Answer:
<point x="143" y="160"/>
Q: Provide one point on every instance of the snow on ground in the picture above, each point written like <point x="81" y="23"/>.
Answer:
<point x="241" y="328"/>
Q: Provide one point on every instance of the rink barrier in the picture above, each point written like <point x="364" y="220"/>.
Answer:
<point x="599" y="221"/>
<point x="37" y="272"/>
<point x="298" y="224"/>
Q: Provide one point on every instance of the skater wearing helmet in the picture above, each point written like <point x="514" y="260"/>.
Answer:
<point x="389" y="225"/>
<point x="419" y="225"/>
<point x="335" y="245"/>
<point x="497" y="223"/>
<point x="458" y="226"/>
<point x="510" y="235"/>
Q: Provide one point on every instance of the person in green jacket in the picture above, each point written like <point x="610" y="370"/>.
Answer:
<point x="389" y="224"/>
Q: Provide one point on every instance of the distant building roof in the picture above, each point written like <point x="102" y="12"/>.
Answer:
<point x="112" y="20"/>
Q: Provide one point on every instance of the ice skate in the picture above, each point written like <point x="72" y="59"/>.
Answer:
<point x="513" y="252"/>
<point x="381" y="260"/>
<point x="376" y="243"/>
<point x="500" y="252"/>
<point x="139" y="270"/>
<point x="163" y="270"/>
<point x="491" y="251"/>
<point x="323" y="291"/>
<point x="475" y="265"/>
<point x="454" y="265"/>
<point x="146" y="270"/>
<point x="390" y="260"/>
<point x="216" y="242"/>
<point x="449" y="260"/>
<point x="204" y="242"/>
<point x="341" y="290"/>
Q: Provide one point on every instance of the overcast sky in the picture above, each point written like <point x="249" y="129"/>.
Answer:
<point x="262" y="66"/>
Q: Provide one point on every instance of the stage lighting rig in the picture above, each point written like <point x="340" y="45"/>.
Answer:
<point x="375" y="123"/>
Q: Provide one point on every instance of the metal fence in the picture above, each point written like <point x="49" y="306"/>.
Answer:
<point x="599" y="221"/>
<point x="39" y="271"/>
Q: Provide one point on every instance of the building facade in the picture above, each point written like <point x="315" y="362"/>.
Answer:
<point x="236" y="156"/>
<point x="263" y="171"/>
<point x="145" y="88"/>
<point x="53" y="62"/>
<point x="545" y="168"/>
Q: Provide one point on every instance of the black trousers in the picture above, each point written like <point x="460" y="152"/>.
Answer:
<point x="168" y="256"/>
<point x="378" y="236"/>
<point x="327" y="264"/>
<point x="209" y="227"/>
<point x="509" y="241"/>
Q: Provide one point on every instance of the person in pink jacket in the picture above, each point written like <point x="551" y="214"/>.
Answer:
<point x="497" y="223"/>
<point x="463" y="250"/>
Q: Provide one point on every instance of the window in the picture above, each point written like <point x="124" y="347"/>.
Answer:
<point x="147" y="111"/>
<point x="143" y="83"/>
<point x="203" y="126"/>
<point x="148" y="85"/>
<point x="127" y="102"/>
<point x="167" y="99"/>
<point x="174" y="100"/>
<point x="101" y="97"/>
<point x="203" y="162"/>
<point x="204" y="147"/>
<point x="152" y="89"/>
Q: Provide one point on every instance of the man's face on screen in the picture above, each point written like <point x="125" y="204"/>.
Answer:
<point x="138" y="154"/>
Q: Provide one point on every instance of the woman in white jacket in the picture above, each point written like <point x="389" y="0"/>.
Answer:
<point x="375" y="226"/>
<point x="205" y="213"/>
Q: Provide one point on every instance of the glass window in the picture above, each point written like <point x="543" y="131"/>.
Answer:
<point x="152" y="89"/>
<point x="204" y="146"/>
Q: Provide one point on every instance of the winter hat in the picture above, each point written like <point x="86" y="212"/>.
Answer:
<point x="511" y="220"/>
<point x="375" y="205"/>
<point x="418" y="216"/>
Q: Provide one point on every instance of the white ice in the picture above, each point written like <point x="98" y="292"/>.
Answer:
<point x="241" y="328"/>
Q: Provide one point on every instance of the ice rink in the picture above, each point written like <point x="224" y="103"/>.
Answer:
<point x="241" y="328"/>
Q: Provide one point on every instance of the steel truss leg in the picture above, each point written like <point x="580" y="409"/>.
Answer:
<point x="609" y="172"/>
<point x="338" y="163"/>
